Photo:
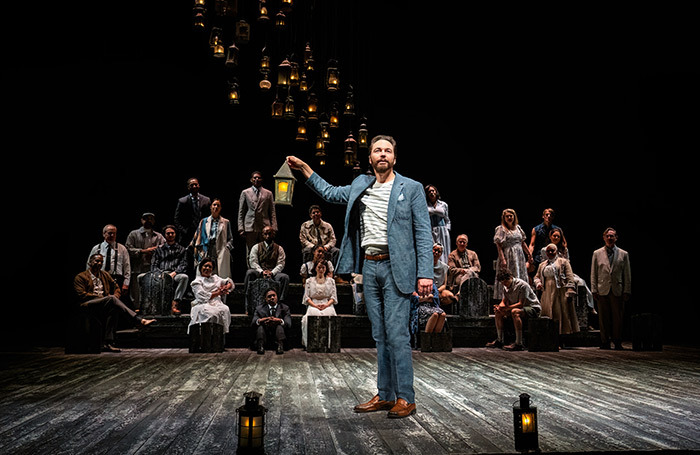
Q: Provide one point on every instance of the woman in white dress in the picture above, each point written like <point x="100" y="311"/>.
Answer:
<point x="208" y="289"/>
<point x="320" y="296"/>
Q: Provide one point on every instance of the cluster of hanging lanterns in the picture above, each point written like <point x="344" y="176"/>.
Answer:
<point x="314" y="99"/>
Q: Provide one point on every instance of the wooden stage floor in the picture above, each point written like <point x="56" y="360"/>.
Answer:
<point x="167" y="401"/>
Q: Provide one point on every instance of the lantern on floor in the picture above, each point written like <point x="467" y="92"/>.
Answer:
<point x="284" y="185"/>
<point x="525" y="425"/>
<point x="251" y="424"/>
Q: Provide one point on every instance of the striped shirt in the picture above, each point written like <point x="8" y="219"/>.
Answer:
<point x="373" y="218"/>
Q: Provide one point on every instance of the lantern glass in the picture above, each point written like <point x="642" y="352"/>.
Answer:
<point x="528" y="422"/>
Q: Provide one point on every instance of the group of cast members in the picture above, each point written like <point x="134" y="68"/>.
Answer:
<point x="533" y="273"/>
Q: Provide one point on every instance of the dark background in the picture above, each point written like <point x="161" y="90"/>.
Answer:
<point x="113" y="107"/>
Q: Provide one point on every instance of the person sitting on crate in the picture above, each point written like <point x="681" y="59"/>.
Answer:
<point x="519" y="303"/>
<point x="208" y="289"/>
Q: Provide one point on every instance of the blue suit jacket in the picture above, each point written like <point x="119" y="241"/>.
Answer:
<point x="409" y="234"/>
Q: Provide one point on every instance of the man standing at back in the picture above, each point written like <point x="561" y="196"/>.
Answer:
<point x="256" y="210"/>
<point x="387" y="238"/>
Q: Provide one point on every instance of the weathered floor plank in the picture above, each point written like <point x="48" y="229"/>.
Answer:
<point x="168" y="401"/>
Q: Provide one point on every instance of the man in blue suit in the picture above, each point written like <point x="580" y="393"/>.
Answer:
<point x="387" y="238"/>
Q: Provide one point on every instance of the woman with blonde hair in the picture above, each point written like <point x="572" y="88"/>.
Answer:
<point x="513" y="251"/>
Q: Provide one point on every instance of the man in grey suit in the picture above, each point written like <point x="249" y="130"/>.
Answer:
<point x="256" y="209"/>
<point x="611" y="286"/>
<point x="387" y="237"/>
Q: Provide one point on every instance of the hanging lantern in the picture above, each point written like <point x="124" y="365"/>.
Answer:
<point x="263" y="16"/>
<point x="324" y="132"/>
<point x="363" y="136"/>
<point x="303" y="83"/>
<point x="334" y="116"/>
<point x="294" y="74"/>
<point x="332" y="76"/>
<point x="525" y="425"/>
<point x="251" y="424"/>
<point x="242" y="31"/>
<point x="233" y="93"/>
<point x="232" y="56"/>
<point x="216" y="42"/>
<point x="289" y="108"/>
<point x="199" y="12"/>
<point x="312" y="106"/>
<point x="287" y="6"/>
<point x="280" y="20"/>
<point x="350" y="154"/>
<point x="349" y="108"/>
<point x="284" y="185"/>
<point x="308" y="58"/>
<point x="301" y="129"/>
<point x="277" y="108"/>
<point x="284" y="71"/>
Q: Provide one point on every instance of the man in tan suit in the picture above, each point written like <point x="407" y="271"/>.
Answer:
<point x="256" y="209"/>
<point x="611" y="285"/>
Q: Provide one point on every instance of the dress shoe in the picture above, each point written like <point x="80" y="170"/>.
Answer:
<point x="375" y="404"/>
<point x="402" y="409"/>
<point x="280" y="348"/>
<point x="261" y="348"/>
<point x="514" y="347"/>
<point x="110" y="348"/>
<point x="495" y="344"/>
<point x="175" y="310"/>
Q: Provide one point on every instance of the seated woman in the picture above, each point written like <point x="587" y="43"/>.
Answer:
<point x="208" y="289"/>
<point x="320" y="296"/>
<point x="426" y="314"/>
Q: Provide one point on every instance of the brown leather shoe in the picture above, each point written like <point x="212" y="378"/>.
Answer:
<point x="375" y="404"/>
<point x="402" y="409"/>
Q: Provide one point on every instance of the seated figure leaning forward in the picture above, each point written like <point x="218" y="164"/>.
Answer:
<point x="98" y="295"/>
<point x="271" y="320"/>
<point x="519" y="303"/>
<point x="208" y="289"/>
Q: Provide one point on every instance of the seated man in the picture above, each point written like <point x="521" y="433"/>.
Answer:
<point x="316" y="232"/>
<point x="520" y="303"/>
<point x="463" y="264"/>
<point x="267" y="260"/>
<point x="98" y="294"/>
<point x="307" y="268"/>
<point x="271" y="319"/>
<point x="171" y="258"/>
